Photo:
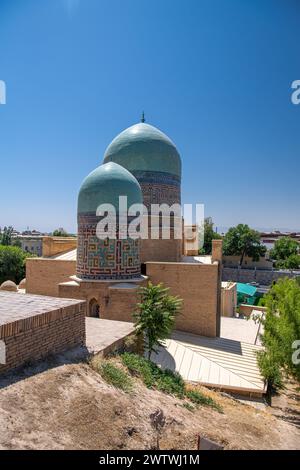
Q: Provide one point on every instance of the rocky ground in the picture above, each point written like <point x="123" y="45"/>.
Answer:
<point x="69" y="406"/>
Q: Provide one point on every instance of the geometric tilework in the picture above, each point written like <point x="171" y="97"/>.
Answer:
<point x="159" y="187"/>
<point x="99" y="259"/>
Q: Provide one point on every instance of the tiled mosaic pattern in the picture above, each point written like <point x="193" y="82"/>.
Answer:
<point x="158" y="187"/>
<point x="99" y="259"/>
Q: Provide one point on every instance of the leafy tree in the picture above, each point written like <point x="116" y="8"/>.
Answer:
<point x="6" y="236"/>
<point x="209" y="235"/>
<point x="243" y="241"/>
<point x="155" y="317"/>
<point x="12" y="263"/>
<point x="281" y="331"/>
<point x="286" y="253"/>
<point x="60" y="232"/>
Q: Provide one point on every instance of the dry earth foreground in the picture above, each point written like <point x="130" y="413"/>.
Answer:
<point x="65" y="404"/>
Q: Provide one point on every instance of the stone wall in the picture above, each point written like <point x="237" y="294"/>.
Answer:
<point x="44" y="275"/>
<point x="34" y="337"/>
<point x="198" y="285"/>
<point x="264" y="277"/>
<point x="233" y="262"/>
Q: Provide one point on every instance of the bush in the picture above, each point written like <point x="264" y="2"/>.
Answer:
<point x="113" y="375"/>
<point x="166" y="381"/>
<point x="281" y="331"/>
<point x="153" y="377"/>
<point x="270" y="369"/>
<point x="12" y="263"/>
<point x="171" y="383"/>
<point x="155" y="315"/>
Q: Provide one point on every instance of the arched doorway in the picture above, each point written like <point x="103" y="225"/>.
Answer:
<point x="94" y="310"/>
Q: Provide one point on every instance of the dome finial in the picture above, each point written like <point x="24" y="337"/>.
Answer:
<point x="143" y="117"/>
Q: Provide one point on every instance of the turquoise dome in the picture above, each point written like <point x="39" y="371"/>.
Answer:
<point x="143" y="147"/>
<point x="104" y="185"/>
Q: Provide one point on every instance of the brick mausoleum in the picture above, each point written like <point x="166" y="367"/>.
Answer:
<point x="143" y="164"/>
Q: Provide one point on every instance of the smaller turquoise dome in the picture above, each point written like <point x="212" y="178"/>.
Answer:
<point x="105" y="184"/>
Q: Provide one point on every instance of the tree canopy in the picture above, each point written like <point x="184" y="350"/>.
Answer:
<point x="155" y="316"/>
<point x="12" y="263"/>
<point x="209" y="235"/>
<point x="243" y="241"/>
<point x="6" y="236"/>
<point x="281" y="333"/>
<point x="60" y="232"/>
<point x="286" y="253"/>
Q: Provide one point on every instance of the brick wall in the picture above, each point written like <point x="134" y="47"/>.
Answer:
<point x="116" y="301"/>
<point x="121" y="304"/>
<point x="198" y="285"/>
<point x="35" y="337"/>
<point x="246" y="309"/>
<point x="44" y="275"/>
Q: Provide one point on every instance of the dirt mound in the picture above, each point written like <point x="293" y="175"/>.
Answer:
<point x="70" y="407"/>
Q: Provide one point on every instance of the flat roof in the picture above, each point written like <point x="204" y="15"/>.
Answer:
<point x="246" y="289"/>
<point x="220" y="363"/>
<point x="69" y="255"/>
<point x="16" y="306"/>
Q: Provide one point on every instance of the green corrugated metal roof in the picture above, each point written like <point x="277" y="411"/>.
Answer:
<point x="246" y="289"/>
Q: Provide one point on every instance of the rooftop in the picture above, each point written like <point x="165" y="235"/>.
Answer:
<point x="22" y="307"/>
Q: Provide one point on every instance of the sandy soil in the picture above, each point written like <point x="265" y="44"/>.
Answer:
<point x="69" y="406"/>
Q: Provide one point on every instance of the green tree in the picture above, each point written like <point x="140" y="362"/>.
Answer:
<point x="243" y="241"/>
<point x="286" y="253"/>
<point x="155" y="316"/>
<point x="209" y="235"/>
<point x="12" y="263"/>
<point x="281" y="333"/>
<point x="6" y="236"/>
<point x="60" y="232"/>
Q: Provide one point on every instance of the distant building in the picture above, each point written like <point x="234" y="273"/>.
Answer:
<point x="31" y="243"/>
<point x="269" y="238"/>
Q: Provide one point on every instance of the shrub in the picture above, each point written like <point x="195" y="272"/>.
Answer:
<point x="281" y="331"/>
<point x="113" y="375"/>
<point x="12" y="263"/>
<point x="171" y="383"/>
<point x="166" y="380"/>
<point x="155" y="316"/>
<point x="153" y="377"/>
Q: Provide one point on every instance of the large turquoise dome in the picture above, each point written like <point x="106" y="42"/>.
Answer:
<point x="143" y="147"/>
<point x="104" y="185"/>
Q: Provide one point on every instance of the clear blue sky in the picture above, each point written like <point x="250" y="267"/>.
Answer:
<point x="215" y="75"/>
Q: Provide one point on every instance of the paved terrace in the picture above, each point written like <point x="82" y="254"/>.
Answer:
<point x="19" y="312"/>
<point x="103" y="336"/>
